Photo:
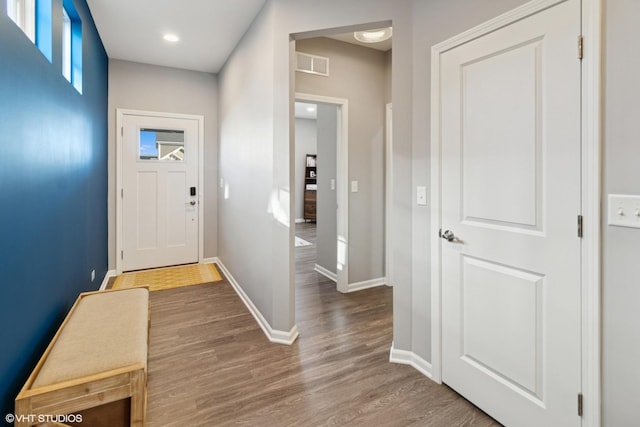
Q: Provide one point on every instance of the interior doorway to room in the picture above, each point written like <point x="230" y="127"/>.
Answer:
<point x="321" y="208"/>
<point x="159" y="187"/>
<point x="353" y="84"/>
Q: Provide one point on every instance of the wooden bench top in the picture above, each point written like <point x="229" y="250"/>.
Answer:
<point x="105" y="331"/>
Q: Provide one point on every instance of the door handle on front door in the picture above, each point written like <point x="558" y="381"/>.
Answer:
<point x="192" y="203"/>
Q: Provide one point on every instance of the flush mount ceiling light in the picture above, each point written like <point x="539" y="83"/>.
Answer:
<point x="171" y="38"/>
<point x="373" y="36"/>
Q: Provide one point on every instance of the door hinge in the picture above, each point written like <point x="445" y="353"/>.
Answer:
<point x="122" y="193"/>
<point x="579" y="404"/>
<point x="580" y="226"/>
<point x="580" y="47"/>
<point x="122" y="131"/>
<point x="121" y="254"/>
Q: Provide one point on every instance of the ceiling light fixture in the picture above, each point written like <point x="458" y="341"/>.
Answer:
<point x="171" y="38"/>
<point x="311" y="109"/>
<point x="373" y="36"/>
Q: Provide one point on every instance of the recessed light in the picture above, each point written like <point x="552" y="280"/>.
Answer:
<point x="373" y="36"/>
<point x="171" y="37"/>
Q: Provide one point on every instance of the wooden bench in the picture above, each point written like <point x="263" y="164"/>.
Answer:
<point x="98" y="356"/>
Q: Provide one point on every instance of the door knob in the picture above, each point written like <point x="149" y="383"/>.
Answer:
<point x="448" y="235"/>
<point x="192" y="203"/>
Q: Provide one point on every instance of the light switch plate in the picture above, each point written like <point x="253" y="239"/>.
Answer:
<point x="354" y="186"/>
<point x="624" y="210"/>
<point x="332" y="183"/>
<point x="421" y="196"/>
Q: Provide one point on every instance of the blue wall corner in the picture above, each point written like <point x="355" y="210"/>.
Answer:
<point x="53" y="192"/>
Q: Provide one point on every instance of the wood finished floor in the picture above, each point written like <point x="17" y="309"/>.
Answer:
<point x="211" y="365"/>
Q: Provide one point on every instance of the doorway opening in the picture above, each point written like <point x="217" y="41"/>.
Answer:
<point x="347" y="88"/>
<point x="321" y="193"/>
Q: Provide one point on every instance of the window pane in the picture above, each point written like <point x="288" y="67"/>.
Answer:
<point x="161" y="144"/>
<point x="12" y="11"/>
<point x="23" y="13"/>
<point x="66" y="45"/>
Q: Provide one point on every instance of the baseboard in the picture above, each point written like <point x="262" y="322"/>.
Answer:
<point x="213" y="260"/>
<point x="326" y="273"/>
<point x="300" y="220"/>
<point x="283" y="337"/>
<point x="405" y="357"/>
<point x="273" y="335"/>
<point x="105" y="281"/>
<point x="358" y="286"/>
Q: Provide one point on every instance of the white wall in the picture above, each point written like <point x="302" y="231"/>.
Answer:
<point x="621" y="246"/>
<point x="252" y="241"/>
<point x="388" y="74"/>
<point x="306" y="143"/>
<point x="327" y="203"/>
<point x="168" y="90"/>
<point x="357" y="74"/>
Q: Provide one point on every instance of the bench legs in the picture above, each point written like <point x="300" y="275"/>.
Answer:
<point x="88" y="392"/>
<point x="138" y="398"/>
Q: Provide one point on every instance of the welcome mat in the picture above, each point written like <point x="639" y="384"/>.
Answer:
<point x="171" y="277"/>
<point x="301" y="242"/>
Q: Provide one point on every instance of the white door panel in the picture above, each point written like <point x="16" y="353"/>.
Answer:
<point x="508" y="351"/>
<point x="494" y="147"/>
<point x="177" y="208"/>
<point x="510" y="123"/>
<point x="159" y="215"/>
<point x="145" y="211"/>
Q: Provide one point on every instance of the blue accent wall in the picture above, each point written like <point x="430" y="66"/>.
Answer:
<point x="53" y="191"/>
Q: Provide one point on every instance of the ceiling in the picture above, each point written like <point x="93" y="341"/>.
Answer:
<point x="209" y="30"/>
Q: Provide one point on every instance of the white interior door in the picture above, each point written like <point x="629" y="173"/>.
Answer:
<point x="510" y="120"/>
<point x="160" y="191"/>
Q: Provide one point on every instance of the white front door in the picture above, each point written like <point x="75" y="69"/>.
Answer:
<point x="510" y="120"/>
<point x="160" y="191"/>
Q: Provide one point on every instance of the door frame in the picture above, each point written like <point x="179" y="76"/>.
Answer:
<point x="120" y="114"/>
<point x="342" y="177"/>
<point x="388" y="194"/>
<point x="590" y="195"/>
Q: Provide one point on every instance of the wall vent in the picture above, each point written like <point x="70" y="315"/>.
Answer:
<point x="312" y="64"/>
